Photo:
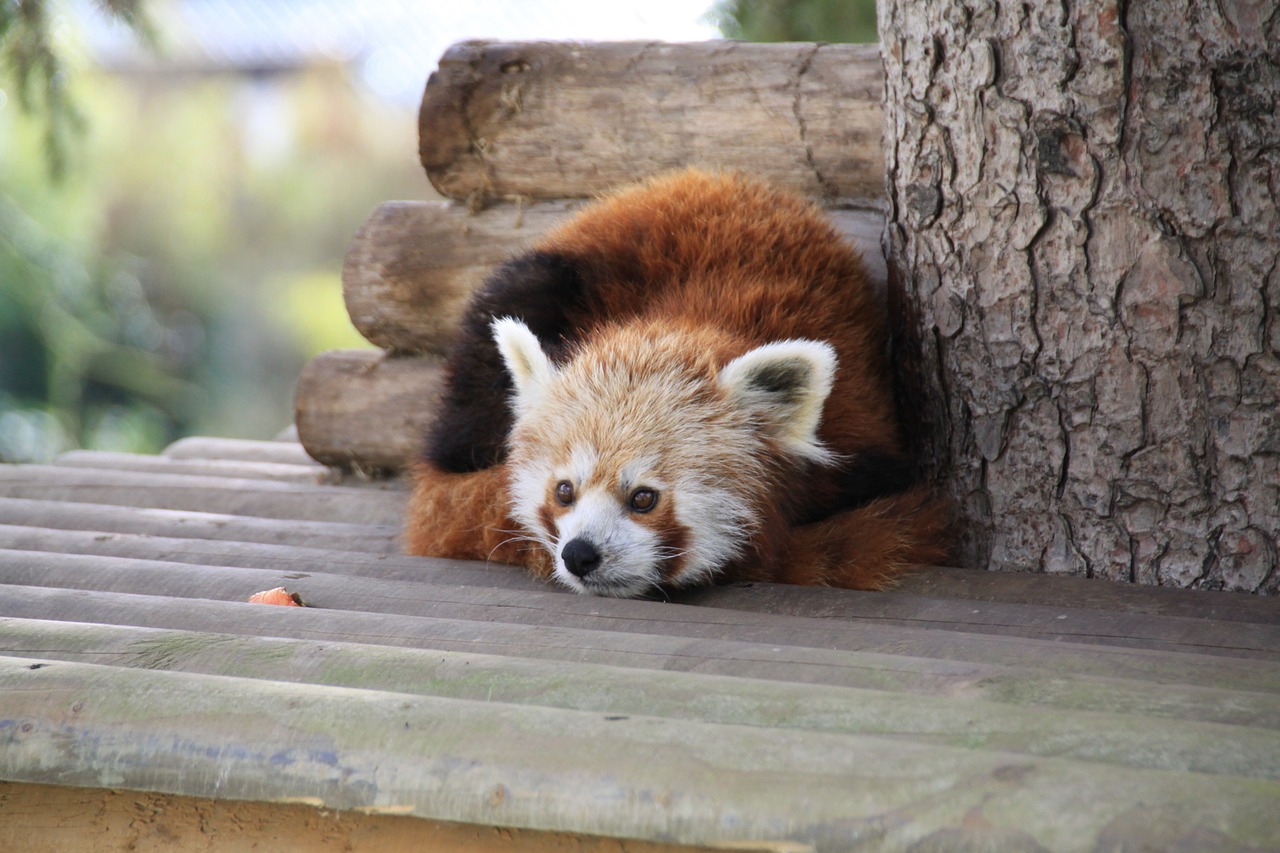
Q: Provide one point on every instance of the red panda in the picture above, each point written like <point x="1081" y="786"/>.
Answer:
<point x="684" y="384"/>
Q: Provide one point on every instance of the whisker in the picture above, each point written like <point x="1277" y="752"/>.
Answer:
<point x="522" y="538"/>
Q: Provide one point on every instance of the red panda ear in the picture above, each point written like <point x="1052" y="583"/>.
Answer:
<point x="528" y="365"/>
<point x="786" y="383"/>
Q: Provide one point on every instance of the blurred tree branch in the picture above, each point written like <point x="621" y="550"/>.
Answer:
<point x="28" y="56"/>
<point x="796" y="20"/>
<point x="80" y="332"/>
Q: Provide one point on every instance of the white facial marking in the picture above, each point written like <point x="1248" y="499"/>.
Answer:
<point x="639" y="472"/>
<point x="719" y="523"/>
<point x="582" y="465"/>
<point x="626" y="548"/>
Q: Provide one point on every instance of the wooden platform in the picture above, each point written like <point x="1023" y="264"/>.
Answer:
<point x="964" y="710"/>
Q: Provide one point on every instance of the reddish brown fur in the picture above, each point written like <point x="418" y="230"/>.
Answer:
<point x="740" y="265"/>
<point x="465" y="516"/>
<point x="867" y="547"/>
<point x="716" y="252"/>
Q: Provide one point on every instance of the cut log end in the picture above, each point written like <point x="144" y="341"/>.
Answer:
<point x="363" y="410"/>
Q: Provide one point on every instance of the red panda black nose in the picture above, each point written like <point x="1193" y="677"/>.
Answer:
<point x="580" y="557"/>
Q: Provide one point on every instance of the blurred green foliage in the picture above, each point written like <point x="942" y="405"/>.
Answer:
<point x="37" y="77"/>
<point x="797" y="20"/>
<point x="187" y="262"/>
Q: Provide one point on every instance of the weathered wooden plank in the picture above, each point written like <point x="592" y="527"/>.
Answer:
<point x="239" y="450"/>
<point x="573" y="645"/>
<point x="557" y="609"/>
<point x="1070" y="617"/>
<point x="1115" y="737"/>
<point x="260" y="498"/>
<point x="409" y="589"/>
<point x="1067" y="619"/>
<point x="934" y="583"/>
<point x="413" y="265"/>
<point x="513" y="765"/>
<point x="567" y="120"/>
<point x="376" y="563"/>
<point x="1040" y="588"/>
<point x="312" y="473"/>
<point x="188" y="525"/>
<point x="61" y="818"/>
<point x="1075" y="596"/>
<point x="363" y="410"/>
<point x="1036" y="678"/>
<point x="233" y="540"/>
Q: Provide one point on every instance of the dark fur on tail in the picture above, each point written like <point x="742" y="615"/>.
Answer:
<point x="545" y="291"/>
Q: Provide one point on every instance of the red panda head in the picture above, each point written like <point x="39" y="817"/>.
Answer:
<point x="642" y="462"/>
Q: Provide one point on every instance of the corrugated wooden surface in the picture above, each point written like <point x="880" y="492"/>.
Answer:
<point x="961" y="709"/>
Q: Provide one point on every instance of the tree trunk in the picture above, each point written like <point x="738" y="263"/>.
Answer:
<point x="1085" y="277"/>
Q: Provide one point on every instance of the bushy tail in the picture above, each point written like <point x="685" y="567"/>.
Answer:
<point x="867" y="547"/>
<point x="465" y="517"/>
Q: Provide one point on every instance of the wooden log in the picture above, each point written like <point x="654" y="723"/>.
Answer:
<point x="142" y="533"/>
<point x="262" y="498"/>
<point x="363" y="410"/>
<point x="551" y="608"/>
<point x="739" y="658"/>
<point x="1076" y="613"/>
<point x="1079" y="605"/>
<point x="238" y="450"/>
<point x="516" y="765"/>
<point x="291" y="558"/>
<point x="1067" y="597"/>
<point x="507" y="678"/>
<point x="567" y="120"/>
<point x="59" y="818"/>
<point x="1029" y="588"/>
<point x="413" y="265"/>
<point x="1120" y="737"/>
<point x="191" y="525"/>
<point x="410" y="586"/>
<point x="954" y="665"/>
<point x="312" y="473"/>
<point x="310" y="549"/>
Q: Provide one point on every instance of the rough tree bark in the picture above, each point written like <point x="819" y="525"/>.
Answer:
<point x="1085" y="272"/>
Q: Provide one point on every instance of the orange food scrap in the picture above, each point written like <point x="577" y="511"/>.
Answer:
<point x="279" y="595"/>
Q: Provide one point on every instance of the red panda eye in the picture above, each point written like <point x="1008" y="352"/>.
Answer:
<point x="643" y="500"/>
<point x="564" y="492"/>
